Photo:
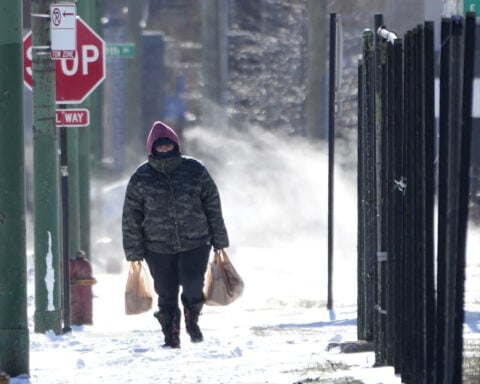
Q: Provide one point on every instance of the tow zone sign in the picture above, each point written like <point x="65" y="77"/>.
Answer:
<point x="63" y="31"/>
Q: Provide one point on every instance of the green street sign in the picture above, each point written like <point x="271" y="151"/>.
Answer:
<point x="471" y="6"/>
<point x="123" y="50"/>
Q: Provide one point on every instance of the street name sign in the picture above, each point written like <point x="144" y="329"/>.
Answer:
<point x="123" y="50"/>
<point x="472" y="6"/>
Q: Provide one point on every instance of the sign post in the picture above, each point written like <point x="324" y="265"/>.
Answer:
<point x="66" y="227"/>
<point x="79" y="69"/>
<point x="48" y="300"/>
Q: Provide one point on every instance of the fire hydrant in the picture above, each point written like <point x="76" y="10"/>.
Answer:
<point x="81" y="297"/>
<point x="4" y="378"/>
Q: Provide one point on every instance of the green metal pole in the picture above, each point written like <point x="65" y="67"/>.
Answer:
<point x="73" y="192"/>
<point x="48" y="309"/>
<point x="14" y="339"/>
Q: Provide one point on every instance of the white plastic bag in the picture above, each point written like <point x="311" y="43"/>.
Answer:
<point x="138" y="291"/>
<point x="223" y="284"/>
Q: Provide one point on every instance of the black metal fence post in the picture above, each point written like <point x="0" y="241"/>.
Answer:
<point x="464" y="182"/>
<point x="442" y="201"/>
<point x="361" y="318"/>
<point x="331" y="152"/>
<point x="430" y="132"/>
<point x="397" y="185"/>
<point x="381" y="255"/>
<point x="457" y="61"/>
<point x="449" y="158"/>
<point x="409" y="259"/>
<point x="418" y="177"/>
<point x="395" y="193"/>
<point x="367" y="256"/>
<point x="389" y="203"/>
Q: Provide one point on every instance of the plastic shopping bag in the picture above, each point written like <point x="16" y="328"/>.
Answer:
<point x="138" y="291"/>
<point x="223" y="284"/>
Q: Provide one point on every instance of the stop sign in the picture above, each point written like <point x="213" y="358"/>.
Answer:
<point x="75" y="78"/>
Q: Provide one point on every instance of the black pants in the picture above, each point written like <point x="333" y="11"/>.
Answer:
<point x="185" y="269"/>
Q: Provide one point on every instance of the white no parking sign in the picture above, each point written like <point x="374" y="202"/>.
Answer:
<point x="63" y="30"/>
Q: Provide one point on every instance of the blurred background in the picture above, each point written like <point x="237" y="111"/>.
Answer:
<point x="245" y="84"/>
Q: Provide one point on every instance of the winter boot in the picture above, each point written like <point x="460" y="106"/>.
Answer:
<point x="170" y="323"/>
<point x="191" y="313"/>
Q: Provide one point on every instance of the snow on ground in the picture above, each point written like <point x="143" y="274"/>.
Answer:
<point x="275" y="208"/>
<point x="273" y="334"/>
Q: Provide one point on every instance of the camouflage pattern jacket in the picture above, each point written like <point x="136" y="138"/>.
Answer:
<point x="171" y="205"/>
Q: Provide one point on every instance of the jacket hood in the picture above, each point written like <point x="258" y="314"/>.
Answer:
<point x="160" y="129"/>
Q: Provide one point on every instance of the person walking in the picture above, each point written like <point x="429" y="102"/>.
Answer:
<point x="172" y="217"/>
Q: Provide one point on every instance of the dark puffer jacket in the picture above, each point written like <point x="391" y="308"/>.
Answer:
<point x="171" y="205"/>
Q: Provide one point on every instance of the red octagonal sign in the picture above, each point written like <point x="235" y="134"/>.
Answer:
<point x="75" y="78"/>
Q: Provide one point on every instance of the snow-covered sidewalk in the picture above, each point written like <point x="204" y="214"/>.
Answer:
<point x="273" y="334"/>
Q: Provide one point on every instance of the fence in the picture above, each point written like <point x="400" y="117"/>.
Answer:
<point x="414" y="320"/>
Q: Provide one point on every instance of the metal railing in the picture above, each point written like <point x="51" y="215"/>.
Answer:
<point x="414" y="320"/>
